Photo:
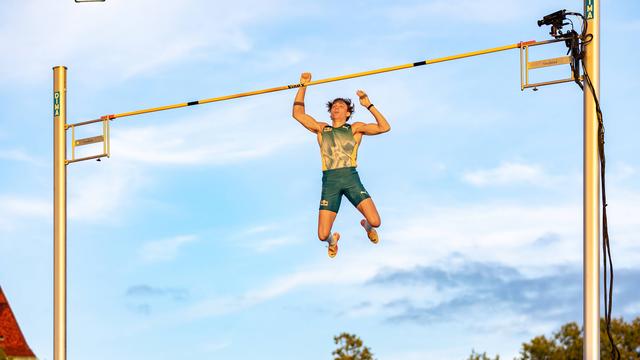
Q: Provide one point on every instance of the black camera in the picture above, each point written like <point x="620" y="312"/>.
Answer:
<point x="557" y="18"/>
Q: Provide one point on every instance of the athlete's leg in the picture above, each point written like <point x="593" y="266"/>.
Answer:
<point x="325" y="222"/>
<point x="368" y="209"/>
<point x="359" y="197"/>
<point x="371" y="219"/>
<point x="330" y="199"/>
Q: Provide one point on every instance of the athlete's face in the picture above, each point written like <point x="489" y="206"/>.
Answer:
<point x="340" y="111"/>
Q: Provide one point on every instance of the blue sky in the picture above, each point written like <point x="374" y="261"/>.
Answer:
<point x="198" y="236"/>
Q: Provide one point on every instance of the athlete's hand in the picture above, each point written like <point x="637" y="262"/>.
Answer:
<point x="305" y="78"/>
<point x="364" y="99"/>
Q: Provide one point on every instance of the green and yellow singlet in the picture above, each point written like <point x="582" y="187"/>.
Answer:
<point x="338" y="148"/>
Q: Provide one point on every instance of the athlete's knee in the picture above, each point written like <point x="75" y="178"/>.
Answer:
<point x="375" y="221"/>
<point x="323" y="233"/>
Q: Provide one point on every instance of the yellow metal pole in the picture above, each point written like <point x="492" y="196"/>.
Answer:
<point x="315" y="82"/>
<point x="591" y="190"/>
<point x="59" y="213"/>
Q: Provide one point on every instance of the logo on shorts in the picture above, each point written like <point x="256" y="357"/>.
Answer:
<point x="363" y="192"/>
<point x="324" y="203"/>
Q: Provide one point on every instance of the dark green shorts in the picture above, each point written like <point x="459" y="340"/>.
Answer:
<point x="338" y="182"/>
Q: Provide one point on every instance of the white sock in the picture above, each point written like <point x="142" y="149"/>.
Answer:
<point x="329" y="239"/>
<point x="367" y="226"/>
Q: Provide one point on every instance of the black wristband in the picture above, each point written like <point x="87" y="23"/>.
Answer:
<point x="298" y="103"/>
<point x="369" y="107"/>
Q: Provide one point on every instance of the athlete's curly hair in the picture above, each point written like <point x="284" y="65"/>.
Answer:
<point x="347" y="101"/>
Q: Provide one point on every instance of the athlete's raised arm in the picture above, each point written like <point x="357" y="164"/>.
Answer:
<point x="380" y="126"/>
<point x="298" y="107"/>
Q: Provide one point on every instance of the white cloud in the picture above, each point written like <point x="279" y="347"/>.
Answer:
<point x="492" y="231"/>
<point x="16" y="210"/>
<point x="279" y="59"/>
<point x="268" y="244"/>
<point x="507" y="173"/>
<point x="220" y="305"/>
<point x="223" y="136"/>
<point x="166" y="249"/>
<point x="101" y="191"/>
<point x="25" y="207"/>
<point x="20" y="156"/>
<point x="499" y="233"/>
<point x="265" y="238"/>
<point x="121" y="39"/>
<point x="621" y="171"/>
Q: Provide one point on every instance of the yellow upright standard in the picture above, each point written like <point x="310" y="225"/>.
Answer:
<point x="591" y="190"/>
<point x="59" y="213"/>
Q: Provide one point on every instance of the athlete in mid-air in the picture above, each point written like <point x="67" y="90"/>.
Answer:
<point x="339" y="150"/>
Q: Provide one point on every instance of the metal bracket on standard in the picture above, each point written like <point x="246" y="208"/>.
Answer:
<point x="526" y="65"/>
<point x="104" y="139"/>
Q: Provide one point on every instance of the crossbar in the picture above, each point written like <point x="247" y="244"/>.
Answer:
<point x="315" y="82"/>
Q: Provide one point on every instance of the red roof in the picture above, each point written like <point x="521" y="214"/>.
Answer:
<point x="12" y="341"/>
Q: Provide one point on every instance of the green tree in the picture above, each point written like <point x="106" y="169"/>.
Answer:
<point x="477" y="356"/>
<point x="626" y="337"/>
<point x="566" y="344"/>
<point x="350" y="347"/>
